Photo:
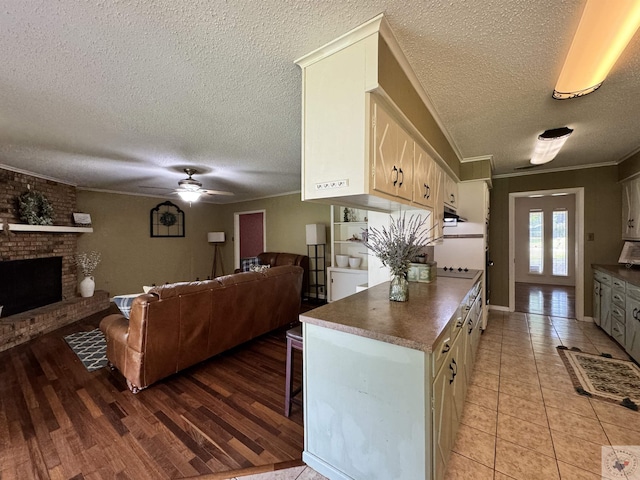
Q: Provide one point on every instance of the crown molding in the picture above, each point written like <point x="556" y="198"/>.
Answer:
<point x="555" y="170"/>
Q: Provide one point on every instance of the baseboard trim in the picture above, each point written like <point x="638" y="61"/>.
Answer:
<point x="322" y="467"/>
<point x="498" y="308"/>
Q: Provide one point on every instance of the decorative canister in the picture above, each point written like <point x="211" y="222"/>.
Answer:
<point x="412" y="273"/>
<point x="427" y="272"/>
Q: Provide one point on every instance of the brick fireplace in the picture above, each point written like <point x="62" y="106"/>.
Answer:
<point x="16" y="245"/>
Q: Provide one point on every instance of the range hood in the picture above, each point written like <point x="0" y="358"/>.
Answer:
<point x="451" y="218"/>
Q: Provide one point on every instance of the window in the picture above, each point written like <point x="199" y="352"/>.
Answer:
<point x="560" y="253"/>
<point x="536" y="241"/>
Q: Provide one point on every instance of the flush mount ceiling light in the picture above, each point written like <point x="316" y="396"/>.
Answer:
<point x="549" y="144"/>
<point x="604" y="31"/>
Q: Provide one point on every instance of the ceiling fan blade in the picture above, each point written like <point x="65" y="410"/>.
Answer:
<point x="215" y="192"/>
<point x="155" y="188"/>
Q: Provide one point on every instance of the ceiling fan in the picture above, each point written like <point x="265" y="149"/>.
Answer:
<point x="190" y="189"/>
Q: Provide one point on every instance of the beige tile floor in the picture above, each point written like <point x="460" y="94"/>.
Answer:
<point x="522" y="419"/>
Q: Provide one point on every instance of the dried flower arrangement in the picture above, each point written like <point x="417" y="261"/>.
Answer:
<point x="399" y="244"/>
<point x="87" y="262"/>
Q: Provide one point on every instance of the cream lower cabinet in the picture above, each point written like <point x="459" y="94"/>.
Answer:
<point x="616" y="309"/>
<point x="380" y="411"/>
<point x="343" y="281"/>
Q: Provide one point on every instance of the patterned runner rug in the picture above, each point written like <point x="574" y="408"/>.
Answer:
<point x="90" y="347"/>
<point x="601" y="377"/>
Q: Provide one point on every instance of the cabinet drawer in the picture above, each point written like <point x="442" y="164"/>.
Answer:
<point x="618" y="314"/>
<point x="618" y="298"/>
<point x="618" y="284"/>
<point x="617" y="332"/>
<point x="633" y="291"/>
<point x="442" y="349"/>
<point x="602" y="277"/>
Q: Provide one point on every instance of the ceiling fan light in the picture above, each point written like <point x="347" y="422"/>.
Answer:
<point x="189" y="196"/>
<point x="549" y="144"/>
<point x="604" y="31"/>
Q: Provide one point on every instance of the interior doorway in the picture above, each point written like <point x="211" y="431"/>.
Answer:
<point x="546" y="251"/>
<point x="250" y="233"/>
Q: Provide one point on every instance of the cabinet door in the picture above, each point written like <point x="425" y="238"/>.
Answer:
<point x="386" y="173"/>
<point x="392" y="156"/>
<point x="605" y="308"/>
<point x="405" y="155"/>
<point x="459" y="384"/>
<point x="596" y="302"/>
<point x="423" y="178"/>
<point x="632" y="329"/>
<point x="343" y="284"/>
<point x="450" y="192"/>
<point x="631" y="209"/>
<point x="442" y="414"/>
<point x="438" y="202"/>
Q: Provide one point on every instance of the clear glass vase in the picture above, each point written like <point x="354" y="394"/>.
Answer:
<point x="399" y="288"/>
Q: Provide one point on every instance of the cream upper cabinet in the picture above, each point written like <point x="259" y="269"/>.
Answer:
<point x="631" y="209"/>
<point x="392" y="155"/>
<point x="438" y="202"/>
<point x="424" y="176"/>
<point x="450" y="192"/>
<point x="357" y="145"/>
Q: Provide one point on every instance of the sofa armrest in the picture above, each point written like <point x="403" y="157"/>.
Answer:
<point x="115" y="327"/>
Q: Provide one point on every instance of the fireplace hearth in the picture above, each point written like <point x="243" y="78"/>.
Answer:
<point x="28" y="284"/>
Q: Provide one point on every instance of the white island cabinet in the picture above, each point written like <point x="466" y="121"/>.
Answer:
<point x="384" y="382"/>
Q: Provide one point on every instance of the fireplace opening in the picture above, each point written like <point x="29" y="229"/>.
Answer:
<point x="28" y="284"/>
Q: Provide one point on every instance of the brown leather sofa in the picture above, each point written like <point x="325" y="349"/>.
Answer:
<point x="276" y="259"/>
<point x="178" y="325"/>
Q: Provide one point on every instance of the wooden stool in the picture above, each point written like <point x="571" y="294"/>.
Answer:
<point x="294" y="340"/>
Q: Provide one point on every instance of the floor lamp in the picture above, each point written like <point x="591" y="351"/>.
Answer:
<point x="216" y="238"/>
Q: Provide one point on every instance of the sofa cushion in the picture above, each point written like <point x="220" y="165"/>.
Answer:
<point x="124" y="302"/>
<point x="248" y="262"/>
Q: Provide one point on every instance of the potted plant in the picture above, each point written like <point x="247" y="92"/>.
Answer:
<point x="396" y="246"/>
<point x="87" y="262"/>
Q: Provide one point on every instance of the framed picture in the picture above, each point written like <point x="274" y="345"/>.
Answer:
<point x="82" y="219"/>
<point x="166" y="220"/>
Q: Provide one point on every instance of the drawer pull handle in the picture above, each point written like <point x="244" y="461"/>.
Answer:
<point x="454" y="371"/>
<point x="446" y="348"/>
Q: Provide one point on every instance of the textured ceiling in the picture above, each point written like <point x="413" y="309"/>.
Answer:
<point x="113" y="95"/>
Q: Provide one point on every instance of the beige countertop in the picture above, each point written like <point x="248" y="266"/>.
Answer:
<point x="415" y="324"/>
<point x="631" y="275"/>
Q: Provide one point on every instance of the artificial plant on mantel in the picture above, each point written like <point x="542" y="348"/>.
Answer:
<point x="397" y="246"/>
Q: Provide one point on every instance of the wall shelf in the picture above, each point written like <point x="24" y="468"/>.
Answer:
<point x="23" y="227"/>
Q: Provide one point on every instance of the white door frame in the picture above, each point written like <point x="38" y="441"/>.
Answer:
<point x="236" y="234"/>
<point x="579" y="244"/>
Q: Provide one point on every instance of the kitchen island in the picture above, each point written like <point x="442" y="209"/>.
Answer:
<point x="384" y="382"/>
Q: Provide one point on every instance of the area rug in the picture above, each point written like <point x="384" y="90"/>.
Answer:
<point x="90" y="347"/>
<point x="602" y="377"/>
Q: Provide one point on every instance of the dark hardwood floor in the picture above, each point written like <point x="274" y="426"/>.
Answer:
<point x="553" y="300"/>
<point x="59" y="421"/>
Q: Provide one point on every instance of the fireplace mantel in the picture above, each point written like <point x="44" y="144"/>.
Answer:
<point x="23" y="227"/>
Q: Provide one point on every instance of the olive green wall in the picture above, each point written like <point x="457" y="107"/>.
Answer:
<point x="286" y="217"/>
<point x="396" y="84"/>
<point x="131" y="258"/>
<point x="602" y="218"/>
